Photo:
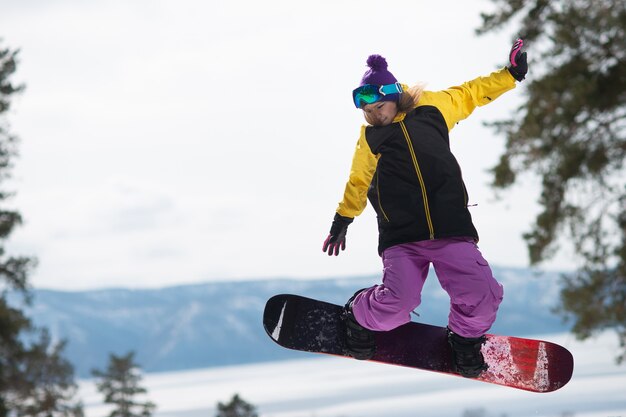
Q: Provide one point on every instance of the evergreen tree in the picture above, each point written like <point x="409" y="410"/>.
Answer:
<point x="50" y="386"/>
<point x="35" y="380"/>
<point x="237" y="407"/>
<point x="120" y="386"/>
<point x="571" y="133"/>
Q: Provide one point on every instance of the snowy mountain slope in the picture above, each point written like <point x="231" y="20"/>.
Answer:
<point x="335" y="387"/>
<point x="217" y="324"/>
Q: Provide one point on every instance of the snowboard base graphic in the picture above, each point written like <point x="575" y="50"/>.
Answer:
<point x="309" y="325"/>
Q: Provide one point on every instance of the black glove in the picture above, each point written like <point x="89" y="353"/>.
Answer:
<point x="518" y="65"/>
<point x="337" y="237"/>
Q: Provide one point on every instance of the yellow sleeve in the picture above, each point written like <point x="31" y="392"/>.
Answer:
<point x="457" y="103"/>
<point x="361" y="174"/>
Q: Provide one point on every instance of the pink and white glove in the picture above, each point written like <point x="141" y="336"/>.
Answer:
<point x="518" y="65"/>
<point x="336" y="239"/>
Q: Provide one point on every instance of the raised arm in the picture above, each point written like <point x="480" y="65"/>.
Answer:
<point x="457" y="103"/>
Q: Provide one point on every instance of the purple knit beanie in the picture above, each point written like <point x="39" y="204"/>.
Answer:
<point x="377" y="74"/>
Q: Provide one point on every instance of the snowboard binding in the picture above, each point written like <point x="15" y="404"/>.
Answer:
<point x="467" y="358"/>
<point x="360" y="342"/>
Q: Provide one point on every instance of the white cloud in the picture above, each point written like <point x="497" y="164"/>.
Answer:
<point x="183" y="141"/>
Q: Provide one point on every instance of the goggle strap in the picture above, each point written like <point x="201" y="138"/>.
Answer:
<point x="394" y="88"/>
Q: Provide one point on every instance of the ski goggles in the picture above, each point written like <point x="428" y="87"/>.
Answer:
<point x="369" y="93"/>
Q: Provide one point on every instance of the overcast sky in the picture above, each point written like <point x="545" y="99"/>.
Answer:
<point x="168" y="142"/>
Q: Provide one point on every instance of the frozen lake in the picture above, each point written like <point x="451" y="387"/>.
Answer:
<point x="319" y="386"/>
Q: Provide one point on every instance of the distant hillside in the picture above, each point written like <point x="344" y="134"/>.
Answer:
<point x="219" y="323"/>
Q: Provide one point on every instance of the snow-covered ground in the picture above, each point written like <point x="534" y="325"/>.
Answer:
<point x="319" y="386"/>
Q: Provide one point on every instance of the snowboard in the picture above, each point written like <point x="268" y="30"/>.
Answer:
<point x="309" y="325"/>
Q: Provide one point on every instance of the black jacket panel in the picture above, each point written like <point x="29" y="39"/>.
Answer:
<point x="417" y="190"/>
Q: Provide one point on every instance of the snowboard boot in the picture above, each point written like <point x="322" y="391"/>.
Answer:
<point x="466" y="355"/>
<point x="359" y="341"/>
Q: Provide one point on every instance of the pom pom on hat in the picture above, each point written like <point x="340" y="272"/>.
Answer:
<point x="377" y="73"/>
<point x="377" y="62"/>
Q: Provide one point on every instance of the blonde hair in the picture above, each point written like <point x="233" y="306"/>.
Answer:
<point x="409" y="98"/>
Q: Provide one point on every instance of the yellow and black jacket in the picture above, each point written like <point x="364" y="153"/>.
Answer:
<point x="409" y="174"/>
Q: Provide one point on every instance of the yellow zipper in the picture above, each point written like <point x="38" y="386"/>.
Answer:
<point x="420" y="179"/>
<point x="380" y="204"/>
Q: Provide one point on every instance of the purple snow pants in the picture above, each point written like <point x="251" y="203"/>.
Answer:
<point x="462" y="271"/>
